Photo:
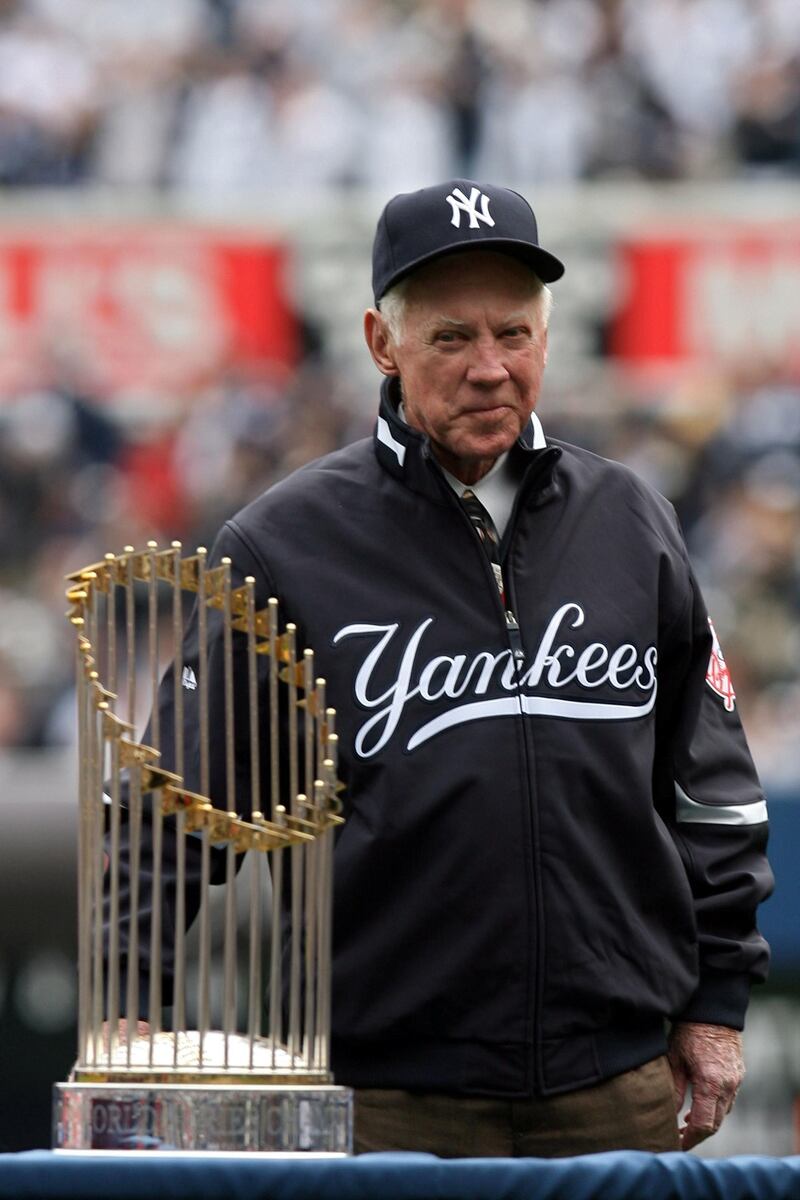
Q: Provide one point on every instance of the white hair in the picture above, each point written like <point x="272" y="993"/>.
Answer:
<point x="393" y="305"/>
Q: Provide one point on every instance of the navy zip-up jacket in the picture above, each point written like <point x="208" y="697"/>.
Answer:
<point x="555" y="836"/>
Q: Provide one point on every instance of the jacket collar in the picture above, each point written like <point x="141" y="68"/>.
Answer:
<point x="406" y="453"/>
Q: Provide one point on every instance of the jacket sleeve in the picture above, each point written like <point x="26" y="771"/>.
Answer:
<point x="711" y="799"/>
<point x="242" y="564"/>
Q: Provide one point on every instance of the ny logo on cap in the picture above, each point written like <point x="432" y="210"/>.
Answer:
<point x="459" y="203"/>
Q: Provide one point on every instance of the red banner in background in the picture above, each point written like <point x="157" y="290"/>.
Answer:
<point x="139" y="308"/>
<point x="710" y="296"/>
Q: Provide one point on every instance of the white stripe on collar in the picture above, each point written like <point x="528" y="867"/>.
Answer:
<point x="539" y="440"/>
<point x="385" y="435"/>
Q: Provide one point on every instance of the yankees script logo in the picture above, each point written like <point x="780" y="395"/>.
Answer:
<point x="463" y="680"/>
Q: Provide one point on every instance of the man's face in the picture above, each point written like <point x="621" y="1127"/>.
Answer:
<point x="470" y="356"/>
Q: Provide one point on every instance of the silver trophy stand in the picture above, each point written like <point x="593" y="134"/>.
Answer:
<point x="261" y="1081"/>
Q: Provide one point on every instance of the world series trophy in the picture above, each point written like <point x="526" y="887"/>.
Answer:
<point x="261" y="1081"/>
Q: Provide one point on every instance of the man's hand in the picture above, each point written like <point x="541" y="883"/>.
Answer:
<point x="707" y="1058"/>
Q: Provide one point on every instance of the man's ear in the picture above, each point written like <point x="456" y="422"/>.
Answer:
<point x="544" y="348"/>
<point x="380" y="344"/>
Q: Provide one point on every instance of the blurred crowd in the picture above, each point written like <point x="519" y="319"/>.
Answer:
<point x="252" y="94"/>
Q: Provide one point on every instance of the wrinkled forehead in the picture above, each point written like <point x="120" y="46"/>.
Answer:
<point x="469" y="275"/>
<point x="470" y="286"/>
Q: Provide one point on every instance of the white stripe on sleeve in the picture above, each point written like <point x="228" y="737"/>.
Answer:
<point x="692" y="812"/>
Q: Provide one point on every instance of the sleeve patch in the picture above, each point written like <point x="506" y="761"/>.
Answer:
<point x="718" y="677"/>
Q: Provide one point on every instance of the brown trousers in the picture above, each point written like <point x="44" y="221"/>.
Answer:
<point x="633" y="1111"/>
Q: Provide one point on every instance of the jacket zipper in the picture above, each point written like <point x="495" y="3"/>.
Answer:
<point x="534" y="883"/>
<point x="503" y="592"/>
<point x="506" y="542"/>
<point x="537" y="904"/>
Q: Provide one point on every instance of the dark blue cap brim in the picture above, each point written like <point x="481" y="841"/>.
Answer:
<point x="545" y="265"/>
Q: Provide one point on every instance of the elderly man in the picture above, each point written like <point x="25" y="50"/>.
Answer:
<point x="545" y="888"/>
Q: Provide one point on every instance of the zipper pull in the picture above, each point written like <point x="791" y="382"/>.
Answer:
<point x="512" y="625"/>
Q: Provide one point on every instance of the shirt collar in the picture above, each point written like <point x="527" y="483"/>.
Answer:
<point x="500" y="468"/>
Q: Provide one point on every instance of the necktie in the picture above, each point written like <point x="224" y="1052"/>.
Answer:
<point x="485" y="528"/>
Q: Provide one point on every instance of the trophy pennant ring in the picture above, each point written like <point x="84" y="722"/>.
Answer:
<point x="239" y="724"/>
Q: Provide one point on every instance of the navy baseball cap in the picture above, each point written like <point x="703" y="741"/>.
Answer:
<point x="416" y="227"/>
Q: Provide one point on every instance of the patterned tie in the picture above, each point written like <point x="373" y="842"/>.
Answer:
<point x="485" y="528"/>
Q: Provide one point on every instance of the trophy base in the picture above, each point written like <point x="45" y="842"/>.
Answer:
<point x="279" y="1119"/>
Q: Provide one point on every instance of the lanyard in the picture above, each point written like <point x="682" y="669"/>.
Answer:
<point x="485" y="528"/>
